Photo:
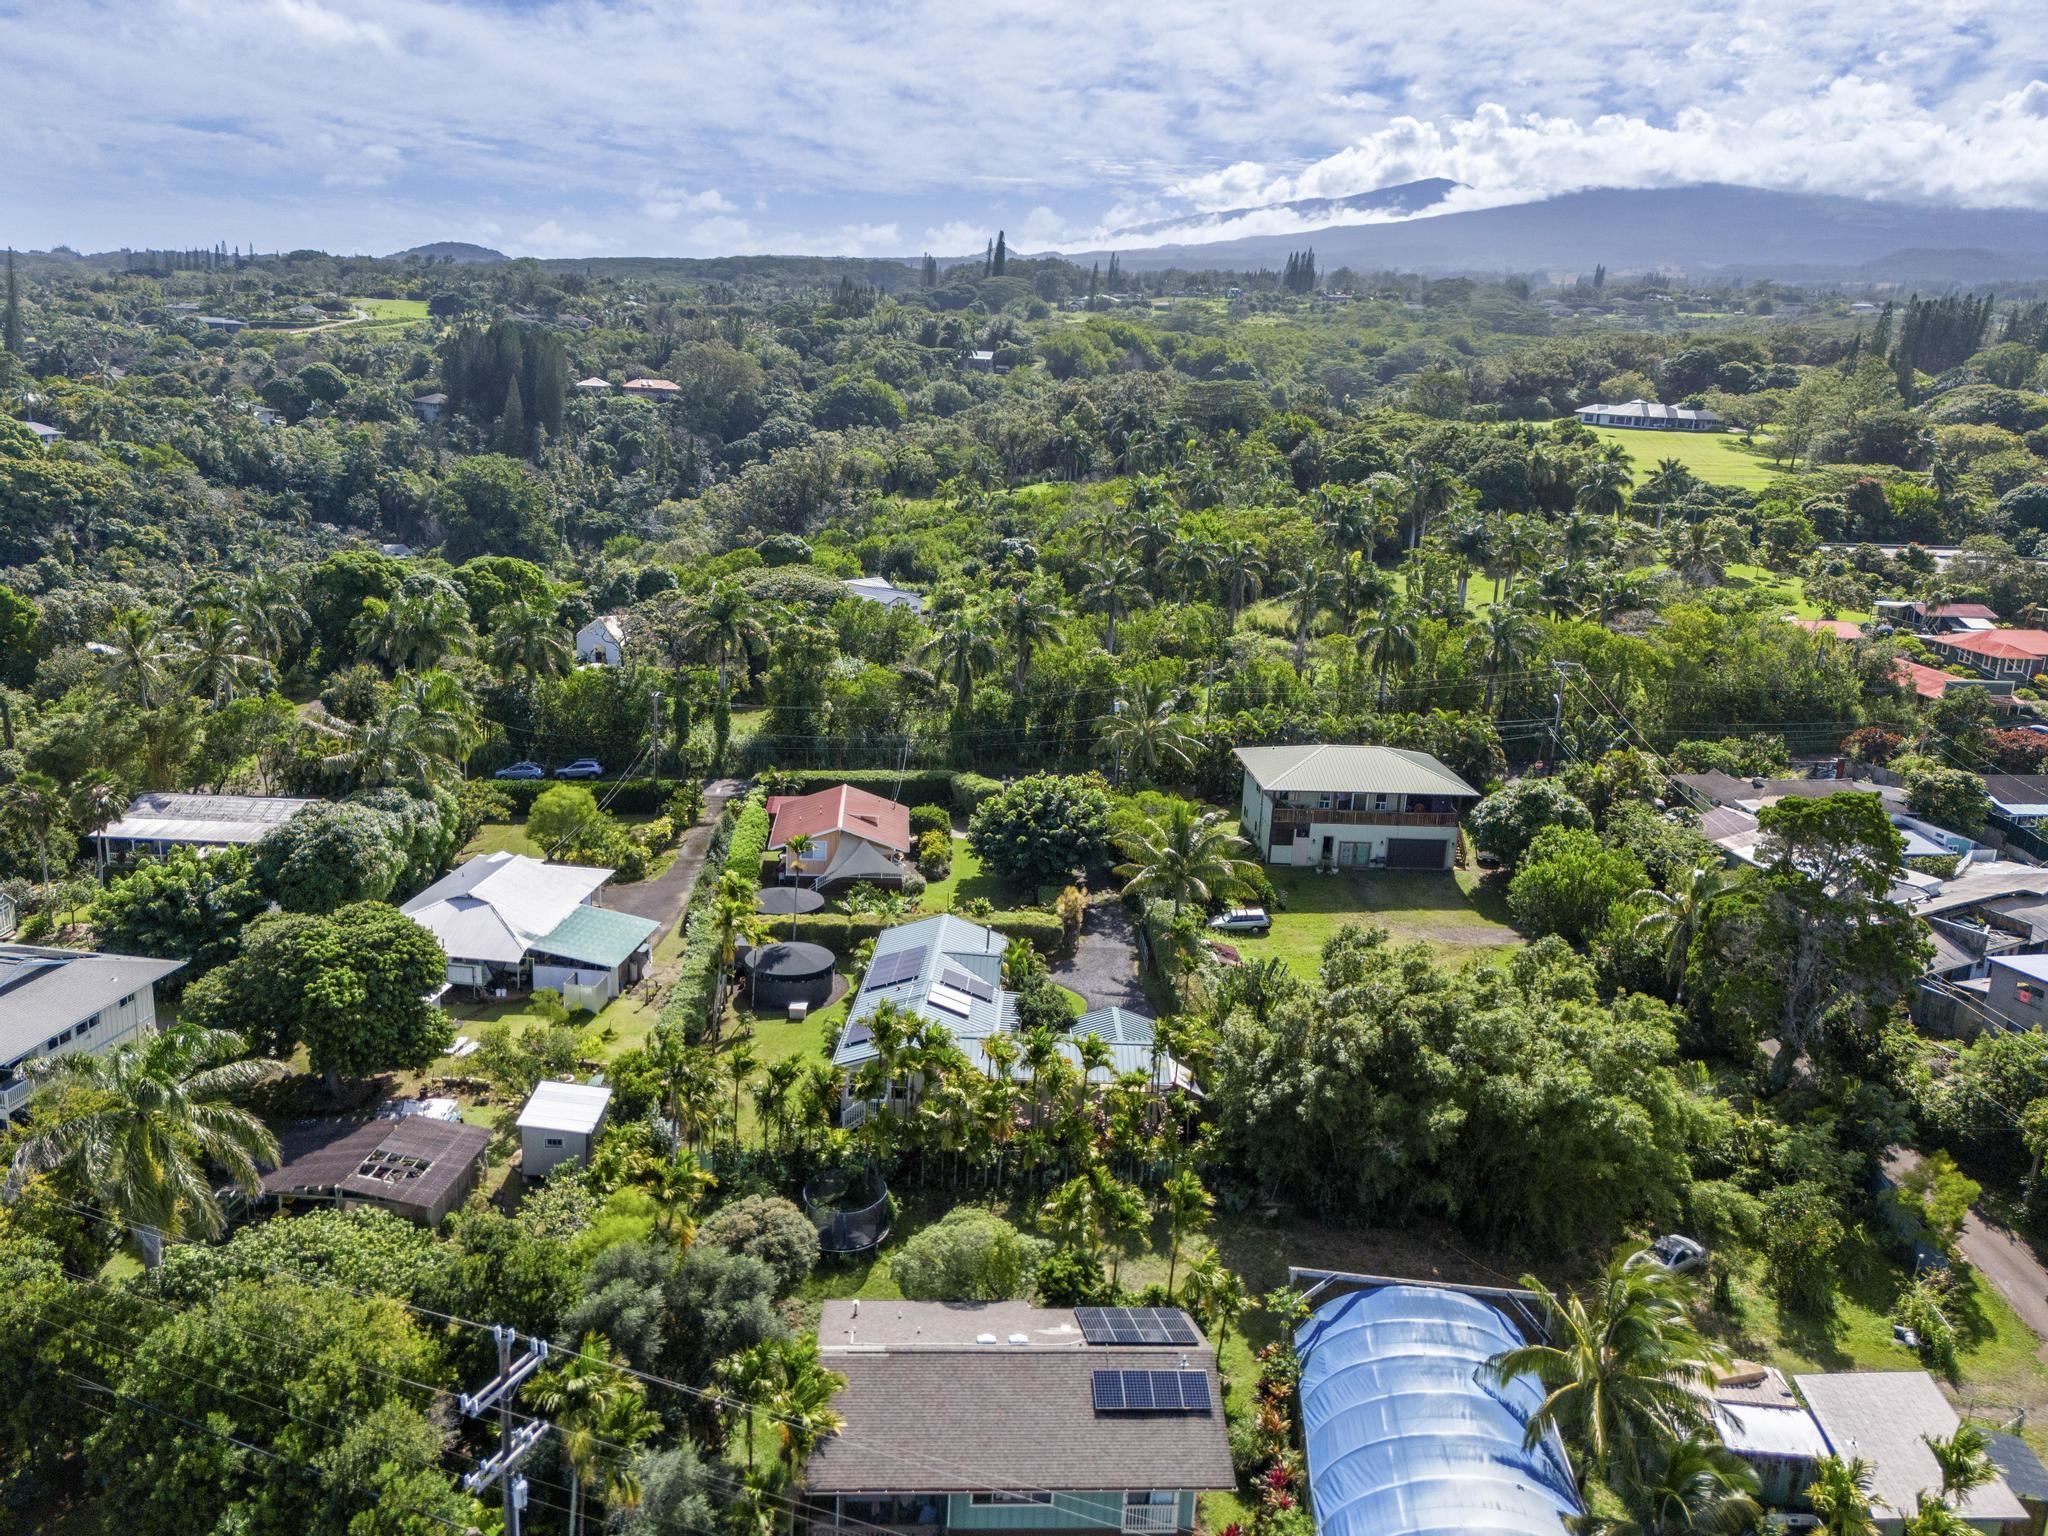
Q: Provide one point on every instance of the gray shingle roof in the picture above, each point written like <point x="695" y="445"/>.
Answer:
<point x="1882" y="1417"/>
<point x="986" y="1417"/>
<point x="45" y="991"/>
<point x="1350" y="770"/>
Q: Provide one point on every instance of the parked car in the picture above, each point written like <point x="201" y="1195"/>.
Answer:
<point x="1673" y="1254"/>
<point x="1241" y="920"/>
<point x="582" y="768"/>
<point x="521" y="771"/>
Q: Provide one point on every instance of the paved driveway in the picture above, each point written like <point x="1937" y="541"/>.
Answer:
<point x="1999" y="1255"/>
<point x="664" y="897"/>
<point x="1104" y="965"/>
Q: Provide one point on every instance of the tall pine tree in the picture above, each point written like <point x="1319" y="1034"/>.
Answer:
<point x="1001" y="257"/>
<point x="512" y="424"/>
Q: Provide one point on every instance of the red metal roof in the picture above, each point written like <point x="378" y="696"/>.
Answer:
<point x="2010" y="644"/>
<point x="845" y="809"/>
<point x="1928" y="682"/>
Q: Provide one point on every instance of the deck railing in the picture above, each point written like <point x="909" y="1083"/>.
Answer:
<point x="1290" y="816"/>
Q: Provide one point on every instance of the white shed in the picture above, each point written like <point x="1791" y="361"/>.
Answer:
<point x="560" y="1122"/>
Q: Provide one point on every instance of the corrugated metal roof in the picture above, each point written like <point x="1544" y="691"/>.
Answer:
<point x="45" y="991"/>
<point x="946" y="941"/>
<point x="572" y="1107"/>
<point x="223" y="819"/>
<point x="1350" y="770"/>
<point x="496" y="906"/>
<point x="597" y="936"/>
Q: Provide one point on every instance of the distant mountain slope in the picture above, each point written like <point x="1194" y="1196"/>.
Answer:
<point x="1691" y="229"/>
<point x="1408" y="197"/>
<point x="460" y="251"/>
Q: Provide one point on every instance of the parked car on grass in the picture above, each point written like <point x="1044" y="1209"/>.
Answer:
<point x="1673" y="1254"/>
<point x="1241" y="920"/>
<point x="521" y="771"/>
<point x="582" y="768"/>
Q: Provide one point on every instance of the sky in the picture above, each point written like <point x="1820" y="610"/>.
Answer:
<point x="891" y="127"/>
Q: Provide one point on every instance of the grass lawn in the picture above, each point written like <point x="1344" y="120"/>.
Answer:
<point x="512" y="837"/>
<point x="392" y="309"/>
<point x="1787" y="590"/>
<point x="1456" y="916"/>
<point x="1720" y="458"/>
<point x="966" y="881"/>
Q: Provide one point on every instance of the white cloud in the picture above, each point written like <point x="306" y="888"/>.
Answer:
<point x="663" y="203"/>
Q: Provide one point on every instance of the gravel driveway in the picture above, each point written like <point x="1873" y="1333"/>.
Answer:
<point x="1104" y="965"/>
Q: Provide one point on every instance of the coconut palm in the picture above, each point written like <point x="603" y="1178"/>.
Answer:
<point x="1184" y="859"/>
<point x="530" y="640"/>
<point x="218" y="661"/>
<point x="1113" y="587"/>
<point x="1678" y="916"/>
<point x="1505" y="636"/>
<point x="1700" y="1488"/>
<point x="1243" y="571"/>
<point x="1140" y="736"/>
<point x="1618" y="1368"/>
<point x="965" y="648"/>
<point x="1700" y="552"/>
<point x="1387" y="640"/>
<point x="1603" y="491"/>
<point x="272" y="611"/>
<point x="1469" y="541"/>
<point x="421" y="739"/>
<point x="138" y="662"/>
<point x="1028" y="619"/>
<point x="1964" y="1458"/>
<point x="32" y="808"/>
<point x="723" y="629"/>
<point x="1431" y="489"/>
<point x="1840" y="1495"/>
<point x="1189" y="565"/>
<point x="1309" y="589"/>
<point x="418" y="629"/>
<point x="161" y="1114"/>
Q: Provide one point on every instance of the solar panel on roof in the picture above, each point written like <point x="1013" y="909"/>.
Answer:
<point x="892" y="970"/>
<point x="1138" y="1395"/>
<point x="859" y="1034"/>
<point x="1135" y="1325"/>
<point x="968" y="982"/>
<point x="1109" y="1391"/>
<point x="1151" y="1392"/>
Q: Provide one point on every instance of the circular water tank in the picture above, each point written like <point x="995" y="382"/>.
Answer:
<point x="782" y="974"/>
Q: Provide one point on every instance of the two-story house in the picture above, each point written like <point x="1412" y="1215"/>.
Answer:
<point x="1352" y="807"/>
<point x="1005" y="1417"/>
<point x="54" y="1002"/>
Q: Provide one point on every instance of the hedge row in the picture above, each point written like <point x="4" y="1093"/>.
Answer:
<point x="629" y="797"/>
<point x="739" y="842"/>
<point x="842" y="932"/>
<point x="960" y="792"/>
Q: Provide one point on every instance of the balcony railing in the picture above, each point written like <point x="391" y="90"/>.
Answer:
<point x="1150" y="1519"/>
<point x="1292" y="816"/>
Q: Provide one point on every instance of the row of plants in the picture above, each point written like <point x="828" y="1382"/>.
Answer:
<point x="710" y="922"/>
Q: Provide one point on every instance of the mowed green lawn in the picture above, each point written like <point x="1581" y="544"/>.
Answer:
<point x="1456" y="916"/>
<point x="1716" y="457"/>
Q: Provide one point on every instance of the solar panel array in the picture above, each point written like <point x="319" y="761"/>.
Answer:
<point x="858" y="1033"/>
<point x="891" y="970"/>
<point x="1151" y="1392"/>
<point x="1135" y="1325"/>
<point x="968" y="982"/>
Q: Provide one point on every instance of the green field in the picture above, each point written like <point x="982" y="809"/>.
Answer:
<point x="405" y="310"/>
<point x="1457" y="917"/>
<point x="1718" y="458"/>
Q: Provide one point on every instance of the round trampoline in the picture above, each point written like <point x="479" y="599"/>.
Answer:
<point x="849" y="1207"/>
<point x="786" y="900"/>
<point x="781" y="974"/>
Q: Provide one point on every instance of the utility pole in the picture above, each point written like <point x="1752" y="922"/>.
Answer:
<point x="654" y="733"/>
<point x="1562" y="669"/>
<point x="514" y="1446"/>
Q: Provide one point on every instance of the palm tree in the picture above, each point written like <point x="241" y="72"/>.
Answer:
<point x="1964" y="1458"/>
<point x="32" y="808"/>
<point x="272" y="612"/>
<point x="582" y="1396"/>
<point x="1188" y="565"/>
<point x="1114" y="586"/>
<point x="965" y="649"/>
<point x="1840" y="1495"/>
<point x="1700" y="1488"/>
<point x="1185" y="859"/>
<point x="138" y="659"/>
<point x="1386" y="641"/>
<point x="1140" y="734"/>
<point x="733" y="920"/>
<point x="748" y="1378"/>
<point x="724" y="629"/>
<point x="1217" y="1294"/>
<point x="1470" y="541"/>
<point x="218" y="660"/>
<point x="1309" y="590"/>
<point x="1581" y="536"/>
<point x="1431" y="488"/>
<point x="1604" y="490"/>
<point x="529" y="639"/>
<point x="1505" y="636"/>
<point x="1617" y="1373"/>
<point x="1935" y="1516"/>
<point x="421" y="739"/>
<point x="1243" y="569"/>
<point x="738" y="1065"/>
<point x="678" y="1186"/>
<point x="418" y="630"/>
<point x="1700" y="552"/>
<point x="801" y="1400"/>
<point x="162" y="1112"/>
<point x="1188" y="1209"/>
<point x="1678" y="916"/>
<point x="95" y="803"/>
<point x="1028" y="619"/>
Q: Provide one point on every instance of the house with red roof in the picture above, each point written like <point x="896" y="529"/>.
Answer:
<point x="1997" y="653"/>
<point x="848" y="835"/>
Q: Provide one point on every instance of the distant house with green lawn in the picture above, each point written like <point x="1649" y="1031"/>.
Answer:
<point x="1346" y="807"/>
<point x="1649" y="415"/>
<point x="1002" y="1417"/>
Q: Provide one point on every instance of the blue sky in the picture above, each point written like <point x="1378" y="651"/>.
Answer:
<point x="889" y="127"/>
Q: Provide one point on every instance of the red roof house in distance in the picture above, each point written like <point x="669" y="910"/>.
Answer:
<point x="1932" y="683"/>
<point x="1997" y="653"/>
<point x="852" y="834"/>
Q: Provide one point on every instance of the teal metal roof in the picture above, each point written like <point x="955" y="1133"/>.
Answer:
<point x="597" y="936"/>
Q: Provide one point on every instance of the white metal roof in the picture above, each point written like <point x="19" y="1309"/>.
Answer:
<point x="572" y="1107"/>
<point x="497" y="905"/>
<point x="1750" y="1430"/>
<point x="1350" y="770"/>
<point x="181" y="818"/>
<point x="2034" y="966"/>
<point x="45" y="990"/>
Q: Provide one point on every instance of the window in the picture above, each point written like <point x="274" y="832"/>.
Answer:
<point x="1379" y="802"/>
<point x="1344" y="802"/>
<point x="1323" y="801"/>
<point x="551" y="1141"/>
<point x="997" y="1500"/>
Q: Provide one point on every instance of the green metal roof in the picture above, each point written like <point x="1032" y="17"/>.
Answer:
<point x="596" y="936"/>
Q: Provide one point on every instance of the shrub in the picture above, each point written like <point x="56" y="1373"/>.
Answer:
<point x="970" y="789"/>
<point x="1071" y="1277"/>
<point x="767" y="1228"/>
<point x="1873" y="744"/>
<point x="1568" y="880"/>
<point x="925" y="819"/>
<point x="1507" y="821"/>
<point x="843" y="933"/>
<point x="970" y="1254"/>
<point x="935" y="854"/>
<point x="913" y="887"/>
<point x="1042" y="828"/>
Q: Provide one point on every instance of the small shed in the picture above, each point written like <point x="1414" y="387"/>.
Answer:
<point x="560" y="1122"/>
<point x="785" y="973"/>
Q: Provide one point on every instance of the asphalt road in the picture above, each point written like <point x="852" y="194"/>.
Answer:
<point x="2009" y="1264"/>
<point x="664" y="897"/>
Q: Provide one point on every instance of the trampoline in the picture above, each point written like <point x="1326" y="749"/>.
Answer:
<point x="781" y="974"/>
<point x="849" y="1207"/>
<point x="787" y="900"/>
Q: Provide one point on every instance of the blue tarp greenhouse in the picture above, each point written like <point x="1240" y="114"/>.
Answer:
<point x="1405" y="1436"/>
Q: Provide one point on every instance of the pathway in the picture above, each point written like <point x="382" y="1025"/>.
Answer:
<point x="665" y="896"/>
<point x="1104" y="965"/>
<point x="2009" y="1264"/>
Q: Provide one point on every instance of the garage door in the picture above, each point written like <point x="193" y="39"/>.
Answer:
<point x="1415" y="853"/>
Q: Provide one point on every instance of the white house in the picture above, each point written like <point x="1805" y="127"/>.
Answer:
<point x="429" y="407"/>
<point x="1649" y="414"/>
<point x="602" y="642"/>
<point x="1352" y="807"/>
<point x="513" y="923"/>
<point x="878" y="589"/>
<point x="45" y="433"/>
<point x="850" y="835"/>
<point x="54" y="1002"/>
<point x="560" y="1123"/>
